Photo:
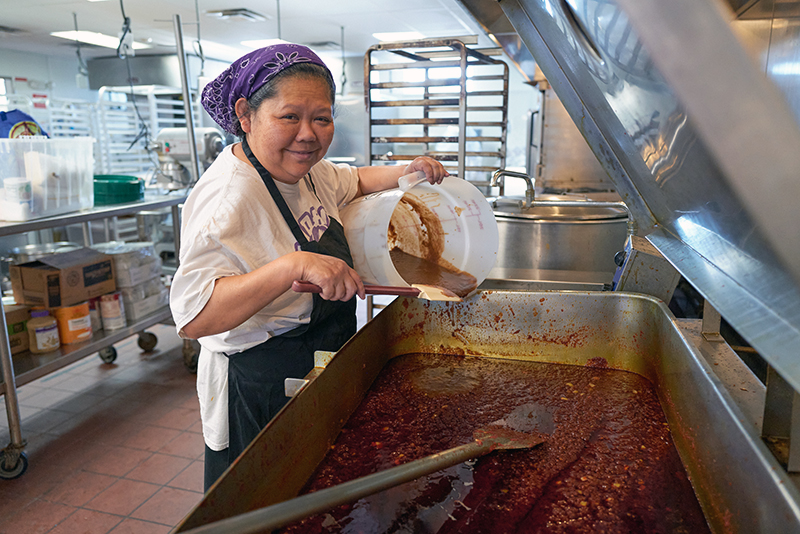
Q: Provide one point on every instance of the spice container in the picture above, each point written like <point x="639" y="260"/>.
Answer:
<point x="42" y="332"/>
<point x="74" y="323"/>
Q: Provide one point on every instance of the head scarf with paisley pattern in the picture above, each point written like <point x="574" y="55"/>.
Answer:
<point x="247" y="75"/>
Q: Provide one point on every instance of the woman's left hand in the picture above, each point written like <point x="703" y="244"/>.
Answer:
<point x="434" y="171"/>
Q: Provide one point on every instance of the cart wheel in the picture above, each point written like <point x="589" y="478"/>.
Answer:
<point x="107" y="354"/>
<point x="17" y="471"/>
<point x="191" y="351"/>
<point x="147" y="341"/>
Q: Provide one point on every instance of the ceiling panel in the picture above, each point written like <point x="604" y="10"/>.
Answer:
<point x="304" y="22"/>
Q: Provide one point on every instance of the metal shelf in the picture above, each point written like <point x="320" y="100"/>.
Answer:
<point x="25" y="367"/>
<point x="29" y="366"/>
<point x="104" y="212"/>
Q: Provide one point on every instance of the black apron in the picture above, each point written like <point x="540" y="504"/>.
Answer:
<point x="256" y="375"/>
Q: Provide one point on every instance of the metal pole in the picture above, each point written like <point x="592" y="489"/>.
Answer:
<point x="187" y="98"/>
<point x="176" y="231"/>
<point x="10" y="389"/>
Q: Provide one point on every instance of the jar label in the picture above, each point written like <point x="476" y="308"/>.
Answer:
<point x="47" y="337"/>
<point x="80" y="323"/>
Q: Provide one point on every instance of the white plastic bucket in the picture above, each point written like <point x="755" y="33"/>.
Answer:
<point x="463" y="216"/>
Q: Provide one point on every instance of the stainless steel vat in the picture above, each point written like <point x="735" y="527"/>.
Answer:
<point x="737" y="481"/>
<point x="36" y="251"/>
<point x="559" y="238"/>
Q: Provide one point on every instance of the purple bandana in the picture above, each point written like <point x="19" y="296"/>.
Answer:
<point x="247" y="75"/>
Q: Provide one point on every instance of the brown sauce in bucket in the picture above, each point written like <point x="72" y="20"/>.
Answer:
<point x="420" y="271"/>
<point x="608" y="465"/>
<point x="416" y="242"/>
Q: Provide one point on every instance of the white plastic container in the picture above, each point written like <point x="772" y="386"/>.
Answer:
<point x="455" y="210"/>
<point x="60" y="172"/>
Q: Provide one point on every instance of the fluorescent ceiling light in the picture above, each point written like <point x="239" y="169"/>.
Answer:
<point x="397" y="36"/>
<point x="261" y="43"/>
<point x="789" y="68"/>
<point x="94" y="38"/>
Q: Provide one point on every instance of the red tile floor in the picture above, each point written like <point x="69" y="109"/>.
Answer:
<point x="111" y="447"/>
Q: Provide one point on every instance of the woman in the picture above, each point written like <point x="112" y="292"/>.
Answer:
<point x="263" y="215"/>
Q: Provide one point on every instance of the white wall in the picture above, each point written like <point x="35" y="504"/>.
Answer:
<point x="55" y="77"/>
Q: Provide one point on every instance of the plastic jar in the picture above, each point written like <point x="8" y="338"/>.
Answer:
<point x="43" y="332"/>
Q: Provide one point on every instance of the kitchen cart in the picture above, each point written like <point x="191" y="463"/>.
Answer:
<point x="27" y="366"/>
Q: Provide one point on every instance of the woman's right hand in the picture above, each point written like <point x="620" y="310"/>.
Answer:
<point x="337" y="279"/>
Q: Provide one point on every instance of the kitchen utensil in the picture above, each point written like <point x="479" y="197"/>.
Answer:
<point x="487" y="439"/>
<point x="416" y="290"/>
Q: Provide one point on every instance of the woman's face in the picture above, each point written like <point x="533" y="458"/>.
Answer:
<point x="292" y="131"/>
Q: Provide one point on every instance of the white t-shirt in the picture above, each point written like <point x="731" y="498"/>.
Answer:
<point x="231" y="226"/>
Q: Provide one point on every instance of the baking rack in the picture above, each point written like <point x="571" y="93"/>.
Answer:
<point x="438" y="98"/>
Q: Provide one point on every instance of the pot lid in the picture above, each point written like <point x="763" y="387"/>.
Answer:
<point x="698" y="141"/>
<point x="512" y="207"/>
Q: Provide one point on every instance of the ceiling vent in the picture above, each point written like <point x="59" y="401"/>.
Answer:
<point x="239" y="13"/>
<point x="9" y="29"/>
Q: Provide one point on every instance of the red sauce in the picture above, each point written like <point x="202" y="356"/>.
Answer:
<point x="608" y="465"/>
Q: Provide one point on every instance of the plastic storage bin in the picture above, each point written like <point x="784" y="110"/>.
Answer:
<point x="59" y="171"/>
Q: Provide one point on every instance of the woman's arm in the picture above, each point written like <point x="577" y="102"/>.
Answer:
<point x="237" y="298"/>
<point x="382" y="177"/>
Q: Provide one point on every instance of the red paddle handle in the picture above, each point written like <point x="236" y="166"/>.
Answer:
<point x="307" y="287"/>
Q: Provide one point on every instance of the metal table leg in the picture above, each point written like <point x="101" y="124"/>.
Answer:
<point x="13" y="461"/>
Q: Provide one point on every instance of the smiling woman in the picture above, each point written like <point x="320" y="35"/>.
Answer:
<point x="265" y="214"/>
<point x="290" y="132"/>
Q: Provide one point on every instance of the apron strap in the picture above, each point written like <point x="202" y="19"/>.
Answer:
<point x="266" y="177"/>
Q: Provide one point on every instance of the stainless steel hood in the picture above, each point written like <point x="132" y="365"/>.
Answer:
<point x="699" y="143"/>
<point x="160" y="70"/>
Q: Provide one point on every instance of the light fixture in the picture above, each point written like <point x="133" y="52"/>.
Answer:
<point x="788" y="68"/>
<point x="261" y="43"/>
<point x="397" y="36"/>
<point x="94" y="38"/>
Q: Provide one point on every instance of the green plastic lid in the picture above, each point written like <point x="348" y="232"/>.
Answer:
<point x="117" y="189"/>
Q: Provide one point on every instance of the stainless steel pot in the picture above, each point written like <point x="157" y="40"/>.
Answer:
<point x="558" y="238"/>
<point x="34" y="252"/>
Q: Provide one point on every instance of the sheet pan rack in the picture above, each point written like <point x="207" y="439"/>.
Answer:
<point x="438" y="98"/>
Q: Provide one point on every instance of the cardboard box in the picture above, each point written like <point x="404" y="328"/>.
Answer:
<point x="63" y="279"/>
<point x="135" y="310"/>
<point x="17" y="317"/>
<point x="139" y="274"/>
